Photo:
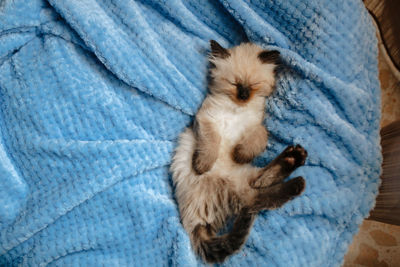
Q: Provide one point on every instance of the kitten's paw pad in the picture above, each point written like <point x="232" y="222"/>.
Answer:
<point x="241" y="155"/>
<point x="201" y="163"/>
<point x="295" y="186"/>
<point x="294" y="156"/>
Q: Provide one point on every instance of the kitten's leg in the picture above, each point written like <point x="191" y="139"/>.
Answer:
<point x="281" y="167"/>
<point x="207" y="146"/>
<point x="216" y="248"/>
<point x="251" y="145"/>
<point x="275" y="196"/>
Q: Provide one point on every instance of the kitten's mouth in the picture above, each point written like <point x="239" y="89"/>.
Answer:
<point x="243" y="92"/>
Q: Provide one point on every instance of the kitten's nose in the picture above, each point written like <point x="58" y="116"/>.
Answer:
<point x="243" y="93"/>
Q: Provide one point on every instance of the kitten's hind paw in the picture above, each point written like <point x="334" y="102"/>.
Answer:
<point x="277" y="195"/>
<point x="293" y="157"/>
<point x="295" y="186"/>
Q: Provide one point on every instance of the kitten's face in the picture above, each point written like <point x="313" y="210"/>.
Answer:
<point x="242" y="72"/>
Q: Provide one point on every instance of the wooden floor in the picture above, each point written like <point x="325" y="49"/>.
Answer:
<point x="378" y="244"/>
<point x="386" y="14"/>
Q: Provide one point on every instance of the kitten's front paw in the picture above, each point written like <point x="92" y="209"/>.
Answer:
<point x="293" y="157"/>
<point x="242" y="155"/>
<point x="201" y="163"/>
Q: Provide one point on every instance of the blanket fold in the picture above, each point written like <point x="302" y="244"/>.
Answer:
<point x="94" y="93"/>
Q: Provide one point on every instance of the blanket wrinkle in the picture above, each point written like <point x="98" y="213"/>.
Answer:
<point x="88" y="30"/>
<point x="153" y="49"/>
<point x="333" y="86"/>
<point x="94" y="94"/>
<point x="256" y="27"/>
<point x="60" y="213"/>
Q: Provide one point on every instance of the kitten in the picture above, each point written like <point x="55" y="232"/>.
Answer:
<point x="211" y="169"/>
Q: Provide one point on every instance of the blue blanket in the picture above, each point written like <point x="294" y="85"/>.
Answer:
<point x="93" y="95"/>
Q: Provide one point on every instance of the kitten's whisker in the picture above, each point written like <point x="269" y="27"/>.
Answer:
<point x="263" y="81"/>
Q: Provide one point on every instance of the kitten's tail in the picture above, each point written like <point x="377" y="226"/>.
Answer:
<point x="215" y="249"/>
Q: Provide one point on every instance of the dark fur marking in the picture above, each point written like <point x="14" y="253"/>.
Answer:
<point x="289" y="160"/>
<point x="200" y="166"/>
<point x="275" y="196"/>
<point x="196" y="167"/>
<point x="218" y="51"/>
<point x="215" y="249"/>
<point x="271" y="57"/>
<point x="239" y="157"/>
<point x="195" y="127"/>
<point x="207" y="141"/>
<point x="243" y="92"/>
<point x="292" y="158"/>
<point x="295" y="186"/>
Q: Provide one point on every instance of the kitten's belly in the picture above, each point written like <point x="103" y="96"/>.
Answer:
<point x="231" y="128"/>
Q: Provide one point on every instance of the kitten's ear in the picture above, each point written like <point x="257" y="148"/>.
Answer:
<point x="218" y="51"/>
<point x="271" y="57"/>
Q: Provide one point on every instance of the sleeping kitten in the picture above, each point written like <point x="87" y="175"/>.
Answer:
<point x="211" y="168"/>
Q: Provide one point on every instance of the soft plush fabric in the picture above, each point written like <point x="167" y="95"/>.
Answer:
<point x="93" y="95"/>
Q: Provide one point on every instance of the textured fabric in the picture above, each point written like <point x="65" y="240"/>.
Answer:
<point x="93" y="95"/>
